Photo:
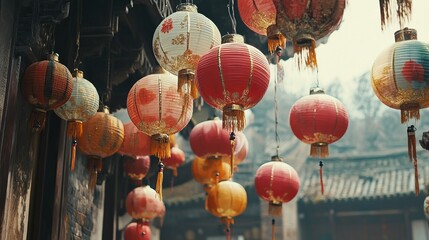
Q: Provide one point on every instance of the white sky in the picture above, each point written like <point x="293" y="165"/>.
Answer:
<point x="351" y="50"/>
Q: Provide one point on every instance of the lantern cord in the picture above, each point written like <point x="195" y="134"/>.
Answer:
<point x="231" y="13"/>
<point x="76" y="60"/>
<point x="273" y="229"/>
<point x="322" y="187"/>
<point x="107" y="93"/>
<point x="278" y="54"/>
<point x="232" y="141"/>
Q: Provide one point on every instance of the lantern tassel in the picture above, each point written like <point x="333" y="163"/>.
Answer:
<point x="232" y="141"/>
<point x="416" y="178"/>
<point x="160" y="179"/>
<point x="306" y="53"/>
<point x="412" y="153"/>
<point x="95" y="166"/>
<point x="74" y="129"/>
<point x="187" y="78"/>
<point x="410" y="111"/>
<point x="228" y="222"/>
<point x="322" y="187"/>
<point x="233" y="118"/>
<point x="275" y="208"/>
<point x="403" y="11"/>
<point x="276" y="41"/>
<point x="160" y="146"/>
<point x="172" y="139"/>
<point x="73" y="155"/>
<point x="37" y="118"/>
<point x="319" y="150"/>
<point x="273" y="229"/>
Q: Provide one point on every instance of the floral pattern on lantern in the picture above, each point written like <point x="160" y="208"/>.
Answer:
<point x="143" y="203"/>
<point x="102" y="137"/>
<point x="181" y="39"/>
<point x="276" y="182"/>
<point x="226" y="200"/>
<point x="82" y="105"/>
<point x="47" y="85"/>
<point x="233" y="77"/>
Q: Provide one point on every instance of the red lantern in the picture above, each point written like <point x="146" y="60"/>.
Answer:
<point x="136" y="143"/>
<point x="241" y="151"/>
<point x="102" y="137"/>
<point x="210" y="171"/>
<point x="304" y="22"/>
<point x="276" y="182"/>
<point x="137" y="167"/>
<point x="157" y="109"/>
<point x="319" y="120"/>
<point x="176" y="159"/>
<point x="137" y="231"/>
<point x="260" y="17"/>
<point x="47" y="85"/>
<point x="143" y="203"/>
<point x="233" y="77"/>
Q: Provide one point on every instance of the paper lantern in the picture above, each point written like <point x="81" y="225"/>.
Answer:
<point x="260" y="17"/>
<point x="304" y="22"/>
<point x="136" y="167"/>
<point x="210" y="171"/>
<point x="176" y="159"/>
<point x="143" y="203"/>
<point x="226" y="200"/>
<point x="426" y="207"/>
<point x="158" y="110"/>
<point x="242" y="150"/>
<point x="47" y="85"/>
<point x="276" y="182"/>
<point x="180" y="40"/>
<point x="102" y="137"/>
<point x="233" y="77"/>
<point x="318" y="119"/>
<point x="137" y="231"/>
<point x="136" y="143"/>
<point x="400" y="77"/>
<point x="82" y="105"/>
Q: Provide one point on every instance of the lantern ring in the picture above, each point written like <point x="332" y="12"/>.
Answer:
<point x="320" y="144"/>
<point x="233" y="107"/>
<point x="162" y="138"/>
<point x="276" y="158"/>
<point x="214" y="157"/>
<point x="186" y="71"/>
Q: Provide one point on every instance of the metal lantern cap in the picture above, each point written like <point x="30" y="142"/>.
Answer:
<point x="233" y="38"/>
<point x="276" y="158"/>
<point x="187" y="7"/>
<point x="317" y="90"/>
<point x="54" y="57"/>
<point x="405" y="34"/>
<point x="78" y="73"/>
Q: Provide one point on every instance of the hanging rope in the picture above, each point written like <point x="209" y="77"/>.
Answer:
<point x="322" y="187"/>
<point x="231" y="13"/>
<point x="273" y="229"/>
<point x="276" y="108"/>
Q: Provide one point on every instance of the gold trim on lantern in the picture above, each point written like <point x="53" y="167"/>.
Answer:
<point x="77" y="73"/>
<point x="160" y="145"/>
<point x="54" y="57"/>
<point x="187" y="7"/>
<point x="233" y="118"/>
<point x="405" y="34"/>
<point x="275" y="38"/>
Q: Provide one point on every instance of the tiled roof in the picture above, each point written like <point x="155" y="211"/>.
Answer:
<point x="364" y="177"/>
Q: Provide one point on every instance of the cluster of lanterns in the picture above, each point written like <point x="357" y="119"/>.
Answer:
<point x="232" y="77"/>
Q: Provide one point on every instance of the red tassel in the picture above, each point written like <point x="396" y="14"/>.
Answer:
<point x="322" y="188"/>
<point x="273" y="229"/>
<point x="412" y="153"/>
<point x="416" y="178"/>
<point x="232" y="141"/>
<point x="73" y="155"/>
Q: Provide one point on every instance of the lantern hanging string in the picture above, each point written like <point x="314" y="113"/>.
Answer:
<point x="108" y="91"/>
<point x="278" y="54"/>
<point x="76" y="60"/>
<point x="231" y="13"/>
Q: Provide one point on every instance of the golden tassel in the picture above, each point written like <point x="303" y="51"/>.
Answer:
<point x="187" y="77"/>
<point x="273" y="229"/>
<point x="410" y="111"/>
<point x="322" y="186"/>
<point x="172" y="140"/>
<point x="275" y="41"/>
<point x="37" y="118"/>
<point x="310" y="57"/>
<point x="228" y="221"/>
<point x="160" y="146"/>
<point x="412" y="153"/>
<point x="416" y="178"/>
<point x="95" y="165"/>
<point x="232" y="141"/>
<point x="319" y="150"/>
<point x="233" y="118"/>
<point x="275" y="208"/>
<point x="160" y="179"/>
<point x="74" y="129"/>
<point x="73" y="154"/>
